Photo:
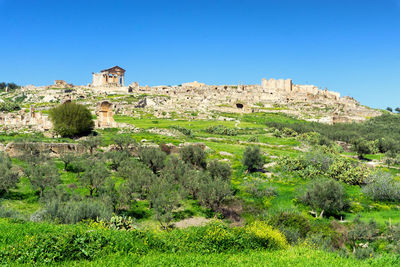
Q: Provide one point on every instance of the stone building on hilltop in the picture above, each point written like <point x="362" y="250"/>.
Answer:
<point x="112" y="77"/>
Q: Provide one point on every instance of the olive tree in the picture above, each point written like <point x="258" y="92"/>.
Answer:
<point x="325" y="196"/>
<point x="8" y="175"/>
<point x="252" y="158"/>
<point x="194" y="155"/>
<point x="43" y="175"/>
<point x="94" y="176"/>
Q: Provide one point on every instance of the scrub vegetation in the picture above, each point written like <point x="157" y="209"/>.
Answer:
<point x="254" y="189"/>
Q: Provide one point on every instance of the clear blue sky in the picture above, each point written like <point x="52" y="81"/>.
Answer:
<point x="349" y="46"/>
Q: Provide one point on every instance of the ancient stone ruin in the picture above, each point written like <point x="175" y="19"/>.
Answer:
<point x="105" y="115"/>
<point x="112" y="77"/>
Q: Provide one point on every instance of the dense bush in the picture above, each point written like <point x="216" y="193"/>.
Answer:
<point x="76" y="211"/>
<point x="70" y="120"/>
<point x="382" y="186"/>
<point x="293" y="224"/>
<point x="317" y="163"/>
<point x="51" y="244"/>
<point x="325" y="196"/>
<point x="252" y="158"/>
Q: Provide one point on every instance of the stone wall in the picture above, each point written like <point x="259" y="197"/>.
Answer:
<point x="54" y="149"/>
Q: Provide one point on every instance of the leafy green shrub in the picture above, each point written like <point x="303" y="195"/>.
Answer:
<point x="326" y="195"/>
<point x="70" y="120"/>
<point x="348" y="172"/>
<point x="289" y="222"/>
<point x="266" y="236"/>
<point x="76" y="211"/>
<point x="91" y="143"/>
<point x="221" y="130"/>
<point x="45" y="243"/>
<point x="252" y="158"/>
<point x="9" y="213"/>
<point x="123" y="141"/>
<point x="117" y="157"/>
<point x="194" y="155"/>
<point x="318" y="163"/>
<point x="382" y="186"/>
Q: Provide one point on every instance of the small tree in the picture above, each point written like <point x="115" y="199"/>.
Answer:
<point x="153" y="157"/>
<point x="397" y="110"/>
<point x="138" y="178"/>
<point x="213" y="192"/>
<point x="219" y="169"/>
<point x="94" y="175"/>
<point x="109" y="193"/>
<point x="327" y="196"/>
<point x="164" y="198"/>
<point x="91" y="143"/>
<point x="362" y="147"/>
<point x="44" y="175"/>
<point x="389" y="109"/>
<point x="67" y="158"/>
<point x="8" y="176"/>
<point x="252" y="158"/>
<point x="194" y="155"/>
<point x="123" y="141"/>
<point x="71" y="119"/>
<point x="117" y="157"/>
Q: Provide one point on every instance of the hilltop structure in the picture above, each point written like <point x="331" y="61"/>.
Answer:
<point x="112" y="77"/>
<point x="193" y="100"/>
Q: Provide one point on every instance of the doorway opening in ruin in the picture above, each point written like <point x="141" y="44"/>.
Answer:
<point x="238" y="105"/>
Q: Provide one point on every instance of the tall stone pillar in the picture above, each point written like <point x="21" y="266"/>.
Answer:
<point x="123" y="80"/>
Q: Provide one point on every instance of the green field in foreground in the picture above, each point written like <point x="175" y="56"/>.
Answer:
<point x="295" y="256"/>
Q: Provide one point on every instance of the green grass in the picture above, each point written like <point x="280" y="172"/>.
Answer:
<point x="296" y="256"/>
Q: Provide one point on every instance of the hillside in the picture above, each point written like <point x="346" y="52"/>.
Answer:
<point x="220" y="186"/>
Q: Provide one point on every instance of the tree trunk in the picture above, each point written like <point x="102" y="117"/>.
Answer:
<point x="321" y="214"/>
